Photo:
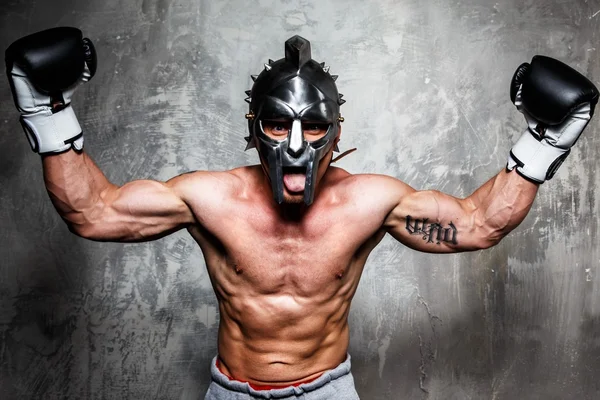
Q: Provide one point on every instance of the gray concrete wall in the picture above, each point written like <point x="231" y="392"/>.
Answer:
<point x="427" y="88"/>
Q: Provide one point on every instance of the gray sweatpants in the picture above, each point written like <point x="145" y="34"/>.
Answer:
<point x="336" y="384"/>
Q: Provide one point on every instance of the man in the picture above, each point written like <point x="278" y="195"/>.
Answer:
<point x="285" y="242"/>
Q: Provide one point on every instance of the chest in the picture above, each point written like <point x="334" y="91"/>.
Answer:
<point x="259" y="250"/>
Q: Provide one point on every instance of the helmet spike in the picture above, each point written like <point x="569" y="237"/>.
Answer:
<point x="250" y="143"/>
<point x="254" y="77"/>
<point x="334" y="77"/>
<point x="248" y="100"/>
<point x="326" y="69"/>
<point x="267" y="67"/>
<point x="297" y="51"/>
<point x="248" y="92"/>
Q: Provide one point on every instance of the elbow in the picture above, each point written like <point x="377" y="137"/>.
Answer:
<point x="78" y="223"/>
<point x="487" y="243"/>
<point x="103" y="232"/>
<point x="89" y="224"/>
<point x="489" y="231"/>
<point x="96" y="233"/>
<point x="86" y="231"/>
<point x="490" y="237"/>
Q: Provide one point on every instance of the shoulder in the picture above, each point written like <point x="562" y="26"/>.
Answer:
<point x="214" y="185"/>
<point x="376" y="193"/>
<point x="369" y="184"/>
<point x="201" y="178"/>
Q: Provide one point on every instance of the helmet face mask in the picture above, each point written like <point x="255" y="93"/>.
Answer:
<point x="297" y="91"/>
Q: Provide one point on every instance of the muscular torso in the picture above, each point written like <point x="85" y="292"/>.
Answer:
<point x="284" y="285"/>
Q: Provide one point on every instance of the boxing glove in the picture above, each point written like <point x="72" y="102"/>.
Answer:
<point x="44" y="69"/>
<point x="557" y="102"/>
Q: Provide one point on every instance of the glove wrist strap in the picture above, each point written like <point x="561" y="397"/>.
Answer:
<point x="52" y="132"/>
<point x="535" y="159"/>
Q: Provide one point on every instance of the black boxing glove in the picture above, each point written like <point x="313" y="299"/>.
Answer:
<point x="558" y="102"/>
<point x="44" y="69"/>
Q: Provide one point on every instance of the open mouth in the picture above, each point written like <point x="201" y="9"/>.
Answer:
<point x="294" y="170"/>
<point x="294" y="179"/>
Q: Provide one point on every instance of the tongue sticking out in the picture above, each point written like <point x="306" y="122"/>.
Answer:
<point x="294" y="183"/>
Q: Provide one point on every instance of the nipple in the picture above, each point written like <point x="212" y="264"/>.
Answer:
<point x="238" y="270"/>
<point x="234" y="264"/>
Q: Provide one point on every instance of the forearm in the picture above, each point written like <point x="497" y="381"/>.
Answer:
<point x="76" y="187"/>
<point x="500" y="205"/>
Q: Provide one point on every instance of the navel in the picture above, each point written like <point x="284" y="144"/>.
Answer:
<point x="340" y="274"/>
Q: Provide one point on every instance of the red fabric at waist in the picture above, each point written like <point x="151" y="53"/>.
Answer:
<point x="264" y="387"/>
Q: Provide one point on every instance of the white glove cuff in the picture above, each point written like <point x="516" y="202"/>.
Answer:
<point x="535" y="160"/>
<point x="52" y="133"/>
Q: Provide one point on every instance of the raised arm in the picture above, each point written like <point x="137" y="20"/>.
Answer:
<point x="557" y="103"/>
<point x="96" y="209"/>
<point x="435" y="222"/>
<point x="44" y="69"/>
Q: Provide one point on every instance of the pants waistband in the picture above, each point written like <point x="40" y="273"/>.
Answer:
<point x="263" y="387"/>
<point x="274" y="392"/>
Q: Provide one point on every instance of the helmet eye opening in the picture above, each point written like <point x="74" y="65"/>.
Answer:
<point x="276" y="129"/>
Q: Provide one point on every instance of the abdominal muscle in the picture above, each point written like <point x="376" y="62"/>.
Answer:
<point x="280" y="340"/>
<point x="284" y="287"/>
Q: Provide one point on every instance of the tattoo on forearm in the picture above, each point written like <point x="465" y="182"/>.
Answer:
<point x="431" y="232"/>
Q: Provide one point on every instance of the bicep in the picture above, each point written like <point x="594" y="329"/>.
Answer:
<point x="139" y="211"/>
<point x="434" y="222"/>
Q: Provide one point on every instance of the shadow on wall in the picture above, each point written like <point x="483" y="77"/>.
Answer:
<point x="490" y="345"/>
<point x="42" y="308"/>
<point x="83" y="326"/>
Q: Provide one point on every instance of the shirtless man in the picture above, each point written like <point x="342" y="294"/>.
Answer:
<point x="285" y="242"/>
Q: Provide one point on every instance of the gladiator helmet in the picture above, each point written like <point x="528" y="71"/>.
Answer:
<point x="296" y="89"/>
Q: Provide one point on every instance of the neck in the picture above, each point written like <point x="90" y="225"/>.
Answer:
<point x="292" y="211"/>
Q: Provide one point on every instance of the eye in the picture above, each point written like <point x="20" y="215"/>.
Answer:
<point x="315" y="128"/>
<point x="276" y="128"/>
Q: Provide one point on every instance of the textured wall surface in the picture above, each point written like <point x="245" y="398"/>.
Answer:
<point x="427" y="88"/>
